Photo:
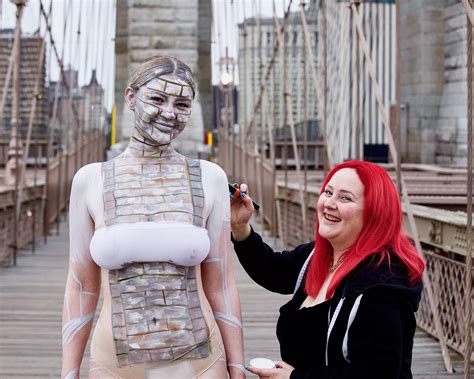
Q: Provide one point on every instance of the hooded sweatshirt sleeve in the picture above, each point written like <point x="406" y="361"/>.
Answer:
<point x="275" y="271"/>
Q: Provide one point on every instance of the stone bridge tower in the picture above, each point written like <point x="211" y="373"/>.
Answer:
<point x="180" y="28"/>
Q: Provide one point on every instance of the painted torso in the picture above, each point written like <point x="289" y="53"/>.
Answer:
<point x="149" y="205"/>
<point x="153" y="207"/>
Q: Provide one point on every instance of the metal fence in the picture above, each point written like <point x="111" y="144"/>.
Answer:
<point x="449" y="284"/>
<point x="357" y="76"/>
<point x="43" y="200"/>
<point x="61" y="170"/>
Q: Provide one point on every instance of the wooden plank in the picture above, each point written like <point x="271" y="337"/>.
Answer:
<point x="31" y="296"/>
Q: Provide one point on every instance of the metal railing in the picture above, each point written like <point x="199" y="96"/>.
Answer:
<point x="353" y="103"/>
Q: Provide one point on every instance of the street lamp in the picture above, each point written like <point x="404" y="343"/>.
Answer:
<point x="227" y="67"/>
<point x="226" y="78"/>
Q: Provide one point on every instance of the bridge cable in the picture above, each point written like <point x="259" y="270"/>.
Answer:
<point x="49" y="135"/>
<point x="406" y="200"/>
<point x="469" y="233"/>
<point x="101" y="128"/>
<point x="290" y="123"/>
<point x="320" y="92"/>
<point x="263" y="87"/>
<point x="65" y="82"/>
<point x="31" y="120"/>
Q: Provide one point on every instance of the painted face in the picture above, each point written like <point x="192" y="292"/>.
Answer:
<point x="340" y="209"/>
<point x="162" y="109"/>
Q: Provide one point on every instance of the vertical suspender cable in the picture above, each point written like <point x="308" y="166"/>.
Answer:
<point x="405" y="198"/>
<point x="246" y="98"/>
<point x="49" y="139"/>
<point x="276" y="222"/>
<point x="259" y="167"/>
<point x="469" y="234"/>
<point x="77" y="160"/>
<point x="320" y="90"/>
<point x="284" y="155"/>
<point x="305" y="125"/>
<point x="357" y="90"/>
<point x="99" y="154"/>
<point x="230" y="88"/>
<point x="325" y="81"/>
<point x="69" y="108"/>
<point x="15" y="122"/>
<point x="396" y="127"/>
<point x="85" y="68"/>
<point x="34" y="102"/>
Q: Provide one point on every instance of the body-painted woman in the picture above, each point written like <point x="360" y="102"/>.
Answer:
<point x="152" y="227"/>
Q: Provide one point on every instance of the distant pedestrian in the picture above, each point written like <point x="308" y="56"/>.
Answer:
<point x="356" y="287"/>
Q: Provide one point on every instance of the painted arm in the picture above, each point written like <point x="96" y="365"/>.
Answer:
<point x="83" y="280"/>
<point x="218" y="278"/>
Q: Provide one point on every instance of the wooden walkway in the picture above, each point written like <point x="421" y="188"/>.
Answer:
<point x="31" y="297"/>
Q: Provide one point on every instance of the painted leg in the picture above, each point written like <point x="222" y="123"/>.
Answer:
<point x="217" y="371"/>
<point x="97" y="372"/>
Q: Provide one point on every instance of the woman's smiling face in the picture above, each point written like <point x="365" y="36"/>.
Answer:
<point x="340" y="209"/>
<point x="162" y="108"/>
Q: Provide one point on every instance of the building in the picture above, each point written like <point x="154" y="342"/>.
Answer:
<point x="255" y="52"/>
<point x="87" y="100"/>
<point x="94" y="111"/>
<point x="30" y="56"/>
<point x="433" y="81"/>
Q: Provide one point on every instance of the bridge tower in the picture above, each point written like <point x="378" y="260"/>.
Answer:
<point x="180" y="28"/>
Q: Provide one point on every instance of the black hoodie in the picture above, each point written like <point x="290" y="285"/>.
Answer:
<point x="364" y="331"/>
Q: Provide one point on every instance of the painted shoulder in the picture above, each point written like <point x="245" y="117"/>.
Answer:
<point x="213" y="172"/>
<point x="87" y="174"/>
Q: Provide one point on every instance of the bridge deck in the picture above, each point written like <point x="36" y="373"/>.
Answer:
<point x="30" y="318"/>
<point x="429" y="185"/>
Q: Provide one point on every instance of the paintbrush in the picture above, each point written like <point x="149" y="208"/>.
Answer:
<point x="236" y="192"/>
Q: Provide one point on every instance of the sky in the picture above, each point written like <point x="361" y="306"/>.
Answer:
<point x="96" y="40"/>
<point x="97" y="26"/>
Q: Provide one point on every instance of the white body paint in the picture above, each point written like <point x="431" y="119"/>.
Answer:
<point x="213" y="242"/>
<point x="175" y="242"/>
<point x="161" y="108"/>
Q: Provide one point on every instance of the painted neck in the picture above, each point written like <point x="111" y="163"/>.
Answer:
<point x="138" y="147"/>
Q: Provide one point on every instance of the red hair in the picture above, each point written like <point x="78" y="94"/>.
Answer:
<point x="381" y="232"/>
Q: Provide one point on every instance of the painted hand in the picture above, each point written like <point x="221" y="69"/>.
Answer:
<point x="282" y="371"/>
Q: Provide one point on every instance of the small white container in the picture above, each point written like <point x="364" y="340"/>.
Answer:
<point x="262" y="363"/>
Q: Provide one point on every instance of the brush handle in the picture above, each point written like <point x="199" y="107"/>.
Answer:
<point x="233" y="190"/>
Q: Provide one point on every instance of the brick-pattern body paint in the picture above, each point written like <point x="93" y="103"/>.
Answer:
<point x="153" y="189"/>
<point x="156" y="313"/>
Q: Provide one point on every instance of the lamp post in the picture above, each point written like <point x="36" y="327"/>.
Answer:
<point x="227" y="67"/>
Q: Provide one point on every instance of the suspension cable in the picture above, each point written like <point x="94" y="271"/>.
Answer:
<point x="406" y="199"/>
<point x="469" y="234"/>
<point x="263" y="87"/>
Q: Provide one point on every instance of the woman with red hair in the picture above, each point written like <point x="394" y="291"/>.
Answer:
<point x="356" y="287"/>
